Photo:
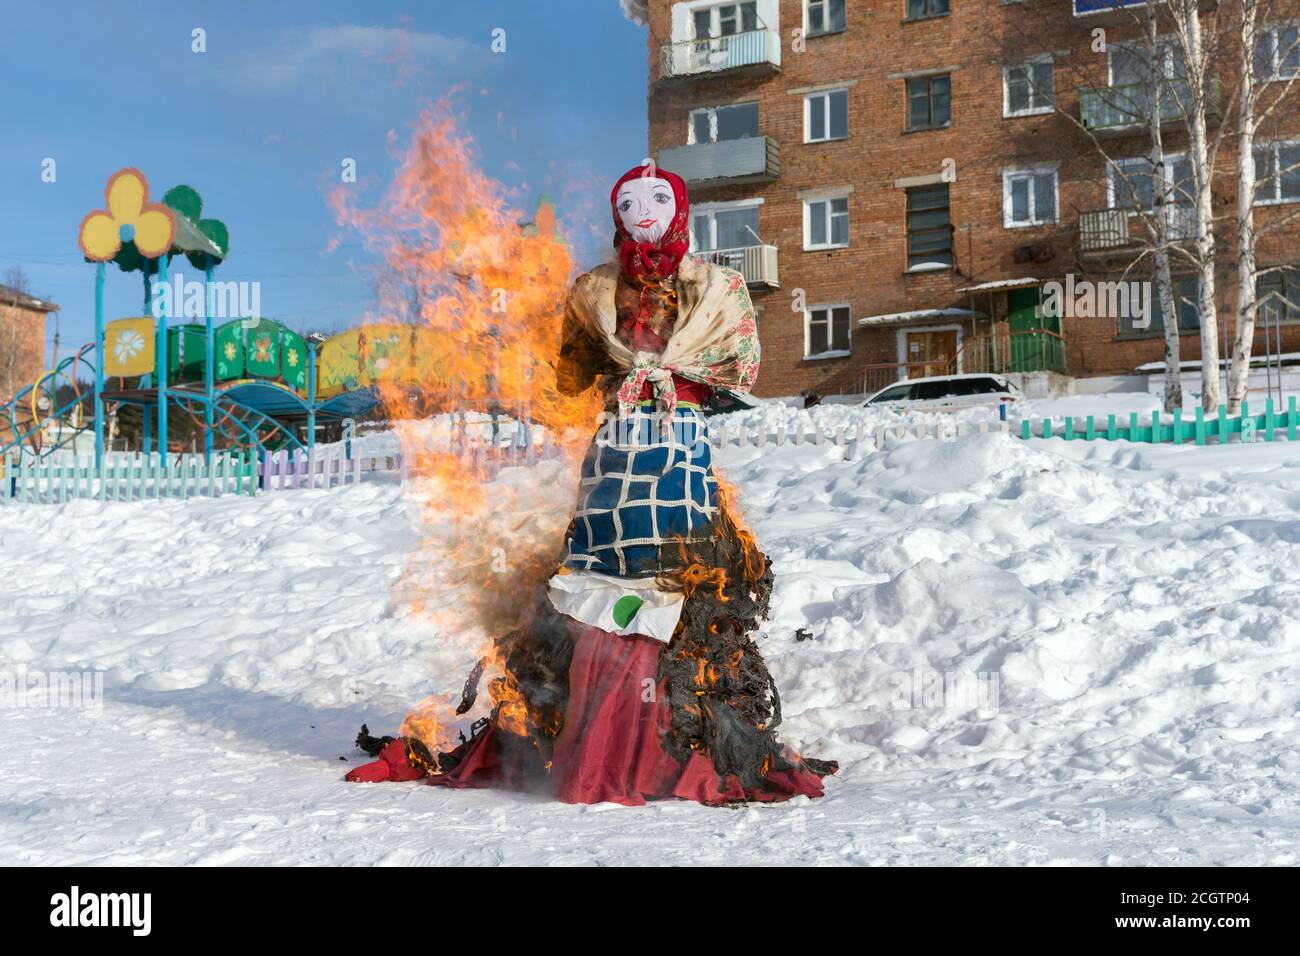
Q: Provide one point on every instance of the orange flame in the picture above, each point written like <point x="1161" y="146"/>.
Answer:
<point x="483" y="292"/>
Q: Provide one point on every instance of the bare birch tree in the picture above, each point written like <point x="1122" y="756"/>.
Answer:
<point x="1159" y="226"/>
<point x="1198" y="58"/>
<point x="1267" y="54"/>
<point x="1164" y="210"/>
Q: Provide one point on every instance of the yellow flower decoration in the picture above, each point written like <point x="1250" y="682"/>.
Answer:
<point x="129" y="217"/>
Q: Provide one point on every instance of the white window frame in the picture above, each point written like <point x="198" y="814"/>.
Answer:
<point x="1171" y="159"/>
<point x="807" y="221"/>
<point x="711" y="210"/>
<point x="715" y="18"/>
<point x="1277" y="199"/>
<point x="1275" y="74"/>
<point x="807" y="19"/>
<point x="712" y="112"/>
<point x="828" y="308"/>
<point x="1007" y="111"/>
<point x="825" y="96"/>
<point x="1020" y="171"/>
<point x="925" y="16"/>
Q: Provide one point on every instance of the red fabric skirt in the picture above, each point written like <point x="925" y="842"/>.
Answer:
<point x="609" y="749"/>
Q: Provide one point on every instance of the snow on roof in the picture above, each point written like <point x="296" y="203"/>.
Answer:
<point x="11" y="296"/>
<point x="919" y="314"/>
<point x="1024" y="283"/>
<point x="1256" y="361"/>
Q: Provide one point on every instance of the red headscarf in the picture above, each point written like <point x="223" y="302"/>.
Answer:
<point x="646" y="260"/>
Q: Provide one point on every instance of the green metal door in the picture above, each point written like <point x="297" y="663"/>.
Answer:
<point x="1035" y="338"/>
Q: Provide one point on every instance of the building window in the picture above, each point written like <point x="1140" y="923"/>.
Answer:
<point x="1186" y="292"/>
<point x="1029" y="197"/>
<point x="715" y="124"/>
<point x="1277" y="173"/>
<point x="1132" y="65"/>
<point x="1027" y="89"/>
<point x="1277" y="52"/>
<point x="725" y="19"/>
<point x="929" y="229"/>
<point x="826" y="223"/>
<point x="826" y="116"/>
<point x="929" y="102"/>
<point x="826" y="331"/>
<point x="1278" y="292"/>
<point x="920" y="9"/>
<point x="825" y="16"/>
<point x="1131" y="184"/>
<point x="724" y="227"/>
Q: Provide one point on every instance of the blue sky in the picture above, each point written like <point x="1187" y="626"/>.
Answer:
<point x="260" y="122"/>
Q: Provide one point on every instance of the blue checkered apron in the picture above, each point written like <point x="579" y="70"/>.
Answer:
<point x="643" y="486"/>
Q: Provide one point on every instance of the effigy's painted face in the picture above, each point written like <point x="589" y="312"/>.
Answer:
<point x="645" y="207"/>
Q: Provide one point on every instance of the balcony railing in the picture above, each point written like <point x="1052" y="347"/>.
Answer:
<point x="756" y="263"/>
<point x="1122" y="10"/>
<point x="1034" y="350"/>
<point x="758" y="50"/>
<point x="754" y="159"/>
<point x="1121" y="107"/>
<point x="1110" y="230"/>
<point x="1101" y="230"/>
<point x="1083" y="8"/>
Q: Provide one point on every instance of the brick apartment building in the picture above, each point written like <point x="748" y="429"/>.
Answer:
<point x="898" y="186"/>
<point x="22" y="339"/>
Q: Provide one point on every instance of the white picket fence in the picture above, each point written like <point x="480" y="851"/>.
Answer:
<point x="124" y="477"/>
<point x="323" y="467"/>
<point x="851" y="436"/>
<point x="133" y="477"/>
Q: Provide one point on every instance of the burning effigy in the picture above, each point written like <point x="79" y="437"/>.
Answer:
<point x="624" y="666"/>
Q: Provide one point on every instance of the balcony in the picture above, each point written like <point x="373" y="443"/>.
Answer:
<point x="753" y="52"/>
<point x="1107" y="232"/>
<point x="754" y="159"/>
<point x="756" y="263"/>
<point x="1115" y="109"/>
<point x="1118" y="11"/>
<point x="1085" y="8"/>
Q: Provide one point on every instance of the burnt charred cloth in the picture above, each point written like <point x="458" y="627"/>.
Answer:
<point x="722" y="698"/>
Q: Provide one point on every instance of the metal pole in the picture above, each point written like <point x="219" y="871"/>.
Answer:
<point x="209" y="361"/>
<point x="162" y="365"/>
<point x="1277" y="337"/>
<point x="311" y="396"/>
<point x="1222" y="357"/>
<point x="99" y="364"/>
<point x="1268" y="360"/>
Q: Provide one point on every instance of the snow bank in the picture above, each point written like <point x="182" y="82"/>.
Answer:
<point x="1020" y="652"/>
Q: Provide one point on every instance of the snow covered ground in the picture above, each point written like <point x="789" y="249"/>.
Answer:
<point x="1020" y="652"/>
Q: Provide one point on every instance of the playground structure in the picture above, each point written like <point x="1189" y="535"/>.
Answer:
<point x="252" y="385"/>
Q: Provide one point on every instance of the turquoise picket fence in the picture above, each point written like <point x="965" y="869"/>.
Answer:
<point x="126" y="478"/>
<point x="1180" y="429"/>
